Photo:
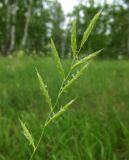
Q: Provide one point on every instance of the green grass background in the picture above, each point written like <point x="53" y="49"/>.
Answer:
<point x="96" y="127"/>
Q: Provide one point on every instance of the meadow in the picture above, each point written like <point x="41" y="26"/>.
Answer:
<point x="96" y="127"/>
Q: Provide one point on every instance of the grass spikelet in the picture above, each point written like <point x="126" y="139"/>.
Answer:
<point x="44" y="91"/>
<point x="89" y="29"/>
<point x="28" y="135"/>
<point x="57" y="60"/>
<point x="75" y="77"/>
<point x="58" y="114"/>
<point x="73" y="39"/>
<point x="86" y="59"/>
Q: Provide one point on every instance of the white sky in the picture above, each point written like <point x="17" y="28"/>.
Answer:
<point x="68" y="5"/>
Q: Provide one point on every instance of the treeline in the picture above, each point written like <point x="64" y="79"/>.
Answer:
<point x="28" y="25"/>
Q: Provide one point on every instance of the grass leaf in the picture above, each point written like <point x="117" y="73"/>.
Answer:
<point x="125" y="130"/>
<point x="123" y="126"/>
<point x="44" y="91"/>
<point x="86" y="59"/>
<point x="89" y="29"/>
<point x="58" y="114"/>
<point x="57" y="60"/>
<point x="73" y="38"/>
<point x="27" y="135"/>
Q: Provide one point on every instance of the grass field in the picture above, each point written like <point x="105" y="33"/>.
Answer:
<point x="95" y="128"/>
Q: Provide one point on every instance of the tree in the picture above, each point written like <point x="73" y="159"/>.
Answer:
<point x="38" y="30"/>
<point x="26" y="27"/>
<point x="127" y="3"/>
<point x="111" y="30"/>
<point x="56" y="23"/>
<point x="8" y="26"/>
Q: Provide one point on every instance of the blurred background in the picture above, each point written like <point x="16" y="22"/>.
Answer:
<point x="27" y="25"/>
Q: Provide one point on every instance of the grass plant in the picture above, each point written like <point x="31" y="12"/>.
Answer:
<point x="67" y="80"/>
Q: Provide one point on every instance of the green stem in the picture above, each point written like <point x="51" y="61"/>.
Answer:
<point x="58" y="97"/>
<point x="38" y="143"/>
<point x="40" y="138"/>
<point x="60" y="90"/>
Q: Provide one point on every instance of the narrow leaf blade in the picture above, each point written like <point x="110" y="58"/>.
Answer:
<point x="89" y="29"/>
<point x="57" y="60"/>
<point x="73" y="39"/>
<point x="27" y="135"/>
